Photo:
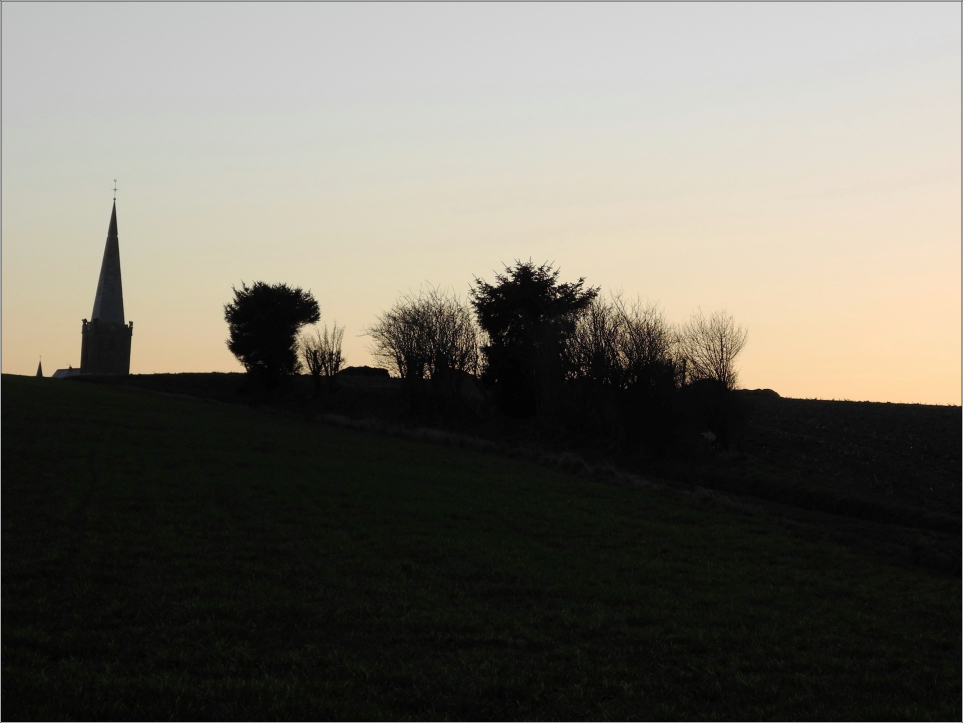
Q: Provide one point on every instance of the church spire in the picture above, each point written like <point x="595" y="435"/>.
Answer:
<point x="109" y="302"/>
<point x="40" y="368"/>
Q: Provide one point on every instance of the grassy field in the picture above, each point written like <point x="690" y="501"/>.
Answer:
<point x="172" y="559"/>
<point x="905" y="457"/>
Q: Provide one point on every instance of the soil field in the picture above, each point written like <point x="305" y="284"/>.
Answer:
<point x="906" y="453"/>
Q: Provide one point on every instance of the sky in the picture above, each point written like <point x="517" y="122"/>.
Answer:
<point x="795" y="164"/>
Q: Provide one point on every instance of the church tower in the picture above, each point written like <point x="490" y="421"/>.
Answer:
<point x="105" y="345"/>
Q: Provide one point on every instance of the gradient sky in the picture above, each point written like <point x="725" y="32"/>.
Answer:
<point x="797" y="164"/>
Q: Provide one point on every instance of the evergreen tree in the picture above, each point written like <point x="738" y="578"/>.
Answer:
<point x="527" y="315"/>
<point x="264" y="321"/>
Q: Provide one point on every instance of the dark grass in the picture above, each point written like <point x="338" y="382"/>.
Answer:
<point x="889" y="463"/>
<point x="170" y="559"/>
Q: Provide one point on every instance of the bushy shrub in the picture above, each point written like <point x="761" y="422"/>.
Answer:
<point x="263" y="323"/>
<point x="709" y="405"/>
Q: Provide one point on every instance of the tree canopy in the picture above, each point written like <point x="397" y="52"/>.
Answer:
<point x="264" y="321"/>
<point x="527" y="315"/>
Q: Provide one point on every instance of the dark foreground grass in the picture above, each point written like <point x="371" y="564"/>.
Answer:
<point x="169" y="559"/>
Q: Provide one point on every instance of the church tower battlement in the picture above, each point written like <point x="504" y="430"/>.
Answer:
<point x="105" y="339"/>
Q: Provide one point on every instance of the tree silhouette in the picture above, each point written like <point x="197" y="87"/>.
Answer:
<point x="264" y="321"/>
<point x="622" y="375"/>
<point x="617" y="344"/>
<point x="710" y="345"/>
<point x="428" y="336"/>
<point x="322" y="355"/>
<point x="528" y="316"/>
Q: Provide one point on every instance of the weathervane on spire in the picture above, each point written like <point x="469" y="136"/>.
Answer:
<point x="115" y="189"/>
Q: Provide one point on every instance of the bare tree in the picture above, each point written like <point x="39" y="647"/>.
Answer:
<point x="710" y="345"/>
<point x="593" y="349"/>
<point x="646" y="340"/>
<point x="428" y="336"/>
<point x="618" y="344"/>
<point x="623" y="372"/>
<point x="322" y="354"/>
<point x="397" y="340"/>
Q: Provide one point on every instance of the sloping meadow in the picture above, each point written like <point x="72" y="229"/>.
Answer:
<point x="171" y="559"/>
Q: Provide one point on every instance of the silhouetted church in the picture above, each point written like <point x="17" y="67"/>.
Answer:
<point x="105" y="339"/>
